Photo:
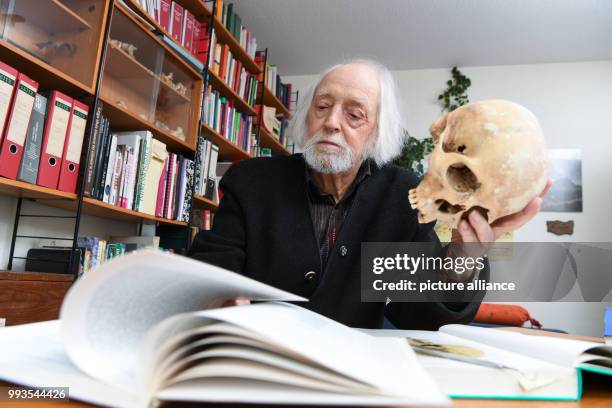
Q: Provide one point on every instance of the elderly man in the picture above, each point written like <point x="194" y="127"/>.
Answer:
<point x="297" y="223"/>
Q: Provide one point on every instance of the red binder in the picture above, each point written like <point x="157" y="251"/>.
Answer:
<point x="71" y="157"/>
<point x="8" y="77"/>
<point x="16" y="127"/>
<point x="58" y="119"/>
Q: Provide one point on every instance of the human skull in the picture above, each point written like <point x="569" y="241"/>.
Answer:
<point x="489" y="156"/>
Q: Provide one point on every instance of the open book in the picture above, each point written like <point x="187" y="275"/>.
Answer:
<point x="536" y="367"/>
<point x="139" y="329"/>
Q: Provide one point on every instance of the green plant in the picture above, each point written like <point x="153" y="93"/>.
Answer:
<point x="415" y="150"/>
<point x="455" y="94"/>
<point x="413" y="153"/>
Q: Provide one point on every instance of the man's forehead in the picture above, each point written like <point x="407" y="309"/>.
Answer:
<point x="355" y="83"/>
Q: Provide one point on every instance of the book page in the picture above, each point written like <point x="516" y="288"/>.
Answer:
<point x="388" y="365"/>
<point x="525" y="372"/>
<point x="563" y="352"/>
<point x="106" y="314"/>
<point x="33" y="355"/>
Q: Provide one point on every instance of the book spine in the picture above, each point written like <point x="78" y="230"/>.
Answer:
<point x="164" y="15"/>
<point x="8" y="78"/>
<point x="94" y="135"/>
<point x="114" y="193"/>
<point x="105" y="165"/>
<point x="98" y="156"/>
<point x="28" y="169"/>
<point x="108" y="182"/>
<point x="161" y="190"/>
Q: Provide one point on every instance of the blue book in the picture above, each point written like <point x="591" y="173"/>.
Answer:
<point x="608" y="324"/>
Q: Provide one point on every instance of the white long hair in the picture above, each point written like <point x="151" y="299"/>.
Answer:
<point x="389" y="133"/>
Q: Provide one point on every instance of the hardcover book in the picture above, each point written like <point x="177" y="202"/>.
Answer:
<point x="28" y="170"/>
<point x="116" y="345"/>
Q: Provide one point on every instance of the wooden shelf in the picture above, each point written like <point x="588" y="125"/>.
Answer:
<point x="126" y="120"/>
<point x="226" y="91"/>
<point x="104" y="210"/>
<point x="22" y="189"/>
<point x="225" y="37"/>
<point x="46" y="75"/>
<point x="268" y="140"/>
<point x="61" y="18"/>
<point x="269" y="99"/>
<point x="204" y="203"/>
<point x="227" y="150"/>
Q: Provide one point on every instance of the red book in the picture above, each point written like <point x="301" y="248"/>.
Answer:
<point x="8" y="78"/>
<point x="72" y="148"/>
<point x="161" y="189"/>
<point x="16" y="127"/>
<point x="187" y="36"/>
<point x="176" y="22"/>
<point x="195" y="38"/>
<point x="164" y="14"/>
<point x="223" y="63"/>
<point x="56" y="128"/>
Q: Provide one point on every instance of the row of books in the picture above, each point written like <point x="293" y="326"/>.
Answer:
<point x="176" y="20"/>
<point x="219" y="114"/>
<point x="41" y="134"/>
<point x="273" y="81"/>
<point x="231" y="70"/>
<point x="275" y="124"/>
<point x="226" y="14"/>
<point x="135" y="171"/>
<point x="95" y="251"/>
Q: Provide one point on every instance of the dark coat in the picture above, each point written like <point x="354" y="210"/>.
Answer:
<point x="263" y="230"/>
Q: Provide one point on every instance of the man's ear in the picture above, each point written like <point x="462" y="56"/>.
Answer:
<point x="438" y="127"/>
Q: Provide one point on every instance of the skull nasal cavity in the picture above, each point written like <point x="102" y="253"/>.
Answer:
<point x="461" y="178"/>
<point x="446" y="207"/>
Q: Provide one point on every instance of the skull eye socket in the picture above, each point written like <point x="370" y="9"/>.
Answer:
<point x="448" y="208"/>
<point x="462" y="179"/>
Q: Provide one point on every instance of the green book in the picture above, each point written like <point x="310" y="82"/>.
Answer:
<point x="229" y="18"/>
<point x="529" y="367"/>
<point x="237" y="26"/>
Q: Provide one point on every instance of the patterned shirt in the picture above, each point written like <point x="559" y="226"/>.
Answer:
<point x="327" y="215"/>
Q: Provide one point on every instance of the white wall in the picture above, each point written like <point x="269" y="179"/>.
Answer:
<point x="573" y="102"/>
<point x="57" y="227"/>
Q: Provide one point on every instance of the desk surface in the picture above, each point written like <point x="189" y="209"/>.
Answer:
<point x="597" y="394"/>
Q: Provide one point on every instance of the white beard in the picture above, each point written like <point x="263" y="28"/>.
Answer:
<point x="328" y="160"/>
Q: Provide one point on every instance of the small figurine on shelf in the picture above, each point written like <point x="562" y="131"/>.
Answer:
<point x="169" y="80"/>
<point x="178" y="132"/>
<point x="52" y="48"/>
<point x="123" y="46"/>
<point x="161" y="125"/>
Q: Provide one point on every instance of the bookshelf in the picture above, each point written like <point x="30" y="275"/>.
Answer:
<point x="56" y="42"/>
<point x="227" y="149"/>
<point x="16" y="188"/>
<point x="129" y="78"/>
<point x="269" y="141"/>
<point x="101" y="209"/>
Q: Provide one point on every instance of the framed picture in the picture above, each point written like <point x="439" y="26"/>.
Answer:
<point x="565" y="170"/>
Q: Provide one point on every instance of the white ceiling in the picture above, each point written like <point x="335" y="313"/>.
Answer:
<point x="304" y="36"/>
